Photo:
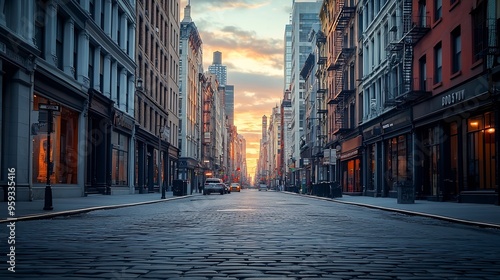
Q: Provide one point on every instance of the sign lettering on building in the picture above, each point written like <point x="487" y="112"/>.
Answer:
<point x="121" y="121"/>
<point x="452" y="98"/>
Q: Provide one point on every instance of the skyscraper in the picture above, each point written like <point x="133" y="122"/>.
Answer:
<point x="218" y="69"/>
<point x="229" y="103"/>
<point x="304" y="15"/>
<point x="288" y="57"/>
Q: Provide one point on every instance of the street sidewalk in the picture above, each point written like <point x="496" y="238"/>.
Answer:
<point x="30" y="210"/>
<point x="482" y="215"/>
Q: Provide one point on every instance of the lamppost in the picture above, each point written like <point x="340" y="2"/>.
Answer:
<point x="50" y="165"/>
<point x="165" y="131"/>
<point x="160" y="180"/>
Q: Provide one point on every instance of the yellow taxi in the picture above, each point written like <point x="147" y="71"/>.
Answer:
<point x="235" y="187"/>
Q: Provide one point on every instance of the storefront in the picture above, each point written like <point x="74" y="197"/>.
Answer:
<point x="350" y="166"/>
<point x="398" y="151"/>
<point x="146" y="161"/>
<point x="389" y="154"/>
<point x="99" y="123"/>
<point x="188" y="170"/>
<point x="121" y="156"/>
<point x="66" y="164"/>
<point x="63" y="144"/>
<point x="456" y="145"/>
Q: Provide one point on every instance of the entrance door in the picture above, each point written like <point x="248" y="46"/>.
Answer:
<point x="96" y="161"/>
<point x="431" y="160"/>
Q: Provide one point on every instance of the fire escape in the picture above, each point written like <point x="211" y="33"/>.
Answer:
<point x="208" y="154"/>
<point x="401" y="51"/>
<point x="321" y="111"/>
<point x="343" y="52"/>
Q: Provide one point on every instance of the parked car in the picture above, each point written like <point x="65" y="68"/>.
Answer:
<point x="262" y="187"/>
<point x="213" y="180"/>
<point x="214" y="188"/>
<point x="235" y="187"/>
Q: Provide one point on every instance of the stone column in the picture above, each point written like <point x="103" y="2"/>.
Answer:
<point x="131" y="41"/>
<point x="97" y="11"/>
<point x="85" y="4"/>
<point x="83" y="58"/>
<point x="131" y="95"/>
<point x="16" y="139"/>
<point x="114" y="82"/>
<point x="123" y="94"/>
<point x="97" y="67"/>
<point x="26" y="21"/>
<point x="123" y="32"/>
<point x="69" y="47"/>
<point x="107" y="17"/>
<point x="107" y="76"/>
<point x="114" y="23"/>
<point x="51" y="33"/>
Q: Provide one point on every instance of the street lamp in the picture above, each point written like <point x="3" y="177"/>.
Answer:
<point x="165" y="131"/>
<point x="160" y="181"/>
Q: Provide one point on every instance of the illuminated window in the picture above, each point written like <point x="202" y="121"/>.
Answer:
<point x="64" y="144"/>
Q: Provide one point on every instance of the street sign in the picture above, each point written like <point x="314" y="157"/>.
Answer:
<point x="50" y="107"/>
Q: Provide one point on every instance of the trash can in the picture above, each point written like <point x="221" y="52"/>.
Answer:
<point x="179" y="187"/>
<point x="406" y="194"/>
<point x="335" y="189"/>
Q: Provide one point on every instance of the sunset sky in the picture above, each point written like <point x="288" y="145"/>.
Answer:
<point x="249" y="33"/>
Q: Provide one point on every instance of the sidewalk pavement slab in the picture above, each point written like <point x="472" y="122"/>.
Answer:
<point x="29" y="210"/>
<point x="482" y="215"/>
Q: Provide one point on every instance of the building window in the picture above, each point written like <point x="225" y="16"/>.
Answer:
<point x="438" y="64"/>
<point x="91" y="66"/>
<point x="480" y="152"/>
<point x="438" y="9"/>
<point x="372" y="167"/>
<point x="40" y="27"/>
<point x="119" y="162"/>
<point x="422" y="64"/>
<point x="422" y="10"/>
<point x="59" y="42"/>
<point x="101" y="73"/>
<point x="63" y="142"/>
<point x="456" y="45"/>
<point x="396" y="161"/>
<point x="479" y="30"/>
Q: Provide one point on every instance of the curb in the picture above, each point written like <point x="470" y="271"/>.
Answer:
<point x="413" y="213"/>
<point x="84" y="210"/>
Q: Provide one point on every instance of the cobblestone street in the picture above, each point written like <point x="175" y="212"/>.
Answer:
<point x="251" y="235"/>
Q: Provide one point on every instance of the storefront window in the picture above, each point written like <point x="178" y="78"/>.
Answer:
<point x="481" y="152"/>
<point x="119" y="168"/>
<point x="396" y="161"/>
<point x="63" y="144"/>
<point x="453" y="158"/>
<point x="371" y="174"/>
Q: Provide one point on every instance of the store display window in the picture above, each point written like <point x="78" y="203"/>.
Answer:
<point x="63" y="144"/>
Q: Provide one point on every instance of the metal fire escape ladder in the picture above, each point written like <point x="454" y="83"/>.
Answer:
<point x="343" y="53"/>
<point x="414" y="28"/>
<point x="408" y="48"/>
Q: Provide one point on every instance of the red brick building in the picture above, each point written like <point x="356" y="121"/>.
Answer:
<point x="457" y="63"/>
